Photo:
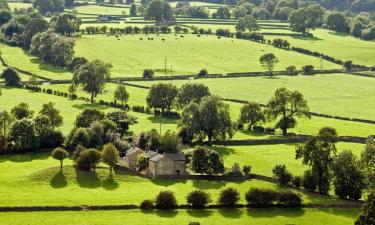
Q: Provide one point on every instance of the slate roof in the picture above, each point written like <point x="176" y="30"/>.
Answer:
<point x="133" y="150"/>
<point x="173" y="157"/>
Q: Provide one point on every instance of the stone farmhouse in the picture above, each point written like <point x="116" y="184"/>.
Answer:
<point x="158" y="164"/>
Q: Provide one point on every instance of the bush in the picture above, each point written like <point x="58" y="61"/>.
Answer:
<point x="165" y="200"/>
<point x="194" y="223"/>
<point x="282" y="174"/>
<point x="292" y="70"/>
<point x="229" y="197"/>
<point x="296" y="181"/>
<point x="198" y="199"/>
<point x="246" y="169"/>
<point x="148" y="73"/>
<point x="147" y="204"/>
<point x="235" y="170"/>
<point x="309" y="181"/>
<point x="202" y="73"/>
<point x="259" y="197"/>
<point x="51" y="139"/>
<point x="308" y="69"/>
<point x="289" y="199"/>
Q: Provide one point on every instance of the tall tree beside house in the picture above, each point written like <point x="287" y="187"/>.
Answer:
<point x="211" y="117"/>
<point x="121" y="94"/>
<point x="162" y="96"/>
<point x="110" y="155"/>
<point x="92" y="76"/>
<point x="287" y="105"/>
<point x="160" y="11"/>
<point x="319" y="152"/>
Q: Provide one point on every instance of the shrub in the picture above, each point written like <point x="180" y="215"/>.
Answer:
<point x="229" y="197"/>
<point x="246" y="169"/>
<point x="202" y="73"/>
<point x="165" y="200"/>
<point x="296" y="181"/>
<point x="147" y="204"/>
<point x="235" y="170"/>
<point x="198" y="199"/>
<point x="51" y="139"/>
<point x="308" y="69"/>
<point x="289" y="199"/>
<point x="292" y="70"/>
<point x="259" y="197"/>
<point x="60" y="154"/>
<point x="282" y="174"/>
<point x="148" y="73"/>
<point x="309" y="181"/>
<point x="194" y="223"/>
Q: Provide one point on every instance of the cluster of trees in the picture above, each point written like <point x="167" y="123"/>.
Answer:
<point x="20" y="131"/>
<point x="11" y="77"/>
<point x="228" y="197"/>
<point x="93" y="128"/>
<point x="134" y="30"/>
<point x="160" y="11"/>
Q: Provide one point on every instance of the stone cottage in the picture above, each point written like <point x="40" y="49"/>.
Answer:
<point x="131" y="157"/>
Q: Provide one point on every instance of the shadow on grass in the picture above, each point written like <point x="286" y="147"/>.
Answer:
<point x="87" y="179"/>
<point x="162" y="120"/>
<point x="24" y="157"/>
<point x="231" y="213"/>
<point x="45" y="66"/>
<point x="272" y="212"/>
<point x="223" y="150"/>
<point x="208" y="184"/>
<point x="88" y="106"/>
<point x="307" y="37"/>
<point x="338" y="34"/>
<point x="59" y="180"/>
<point x="110" y="183"/>
<point x="166" y="213"/>
<point x="199" y="213"/>
<point x="169" y="182"/>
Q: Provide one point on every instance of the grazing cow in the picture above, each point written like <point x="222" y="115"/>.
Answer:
<point x="141" y="39"/>
<point x="182" y="36"/>
<point x="163" y="39"/>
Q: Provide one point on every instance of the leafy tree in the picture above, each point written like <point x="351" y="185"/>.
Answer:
<point x="110" y="155"/>
<point x="122" y="120"/>
<point x="251" y="113"/>
<point x="88" y="116"/>
<point x="268" y="61"/>
<point x="165" y="200"/>
<point x="206" y="161"/>
<point x="243" y="9"/>
<point x="21" y="111"/>
<point x="348" y="65"/>
<point x="367" y="163"/>
<point x="309" y="181"/>
<point x="162" y="96"/>
<point x="288" y="105"/>
<point x="367" y="216"/>
<point x="347" y="176"/>
<point x="42" y="124"/>
<point x="22" y="133"/>
<point x="305" y="19"/>
<point x="319" y="152"/>
<point x="133" y="10"/>
<point x="160" y="11"/>
<point x="36" y="25"/>
<point x="52" y="113"/>
<point x="202" y="73"/>
<point x="65" y="24"/>
<point x="87" y="158"/>
<point x="4" y="5"/>
<point x="15" y="27"/>
<point x="357" y="29"/>
<point x="77" y="62"/>
<point x="5" y="122"/>
<point x="5" y="16"/>
<point x="191" y="93"/>
<point x="247" y="23"/>
<point x="78" y="136"/>
<point x="92" y="76"/>
<point x="222" y="13"/>
<point x="338" y="22"/>
<point x="246" y="169"/>
<point x="11" y="77"/>
<point x="170" y="143"/>
<point x="148" y="73"/>
<point x="198" y="199"/>
<point x="211" y="117"/>
<point x="282" y="174"/>
<point x="229" y="196"/>
<point x="60" y="154"/>
<point x="48" y="6"/>
<point x="121" y="94"/>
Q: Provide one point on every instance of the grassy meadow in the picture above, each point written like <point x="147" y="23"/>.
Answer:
<point x="187" y="55"/>
<point x="212" y="217"/>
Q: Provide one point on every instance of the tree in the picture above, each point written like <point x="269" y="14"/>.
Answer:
<point x="160" y="11"/>
<point x="52" y="113"/>
<point x="110" y="155"/>
<point x="191" y="93"/>
<point x="223" y="13"/>
<point x="21" y="111"/>
<point x="288" y="105"/>
<point x="247" y="23"/>
<point x="211" y="117"/>
<point x="246" y="169"/>
<point x="338" y="22"/>
<point x="92" y="76"/>
<point x="348" y="65"/>
<point x="162" y="96"/>
<point x="42" y="125"/>
<point x="60" y="154"/>
<point x="11" y="77"/>
<point x="133" y="10"/>
<point x="367" y="216"/>
<point x="251" y="113"/>
<point x="198" y="199"/>
<point x="309" y="181"/>
<point x="169" y="143"/>
<point x="121" y="94"/>
<point x="165" y="200"/>
<point x="88" y="116"/>
<point x="48" y="6"/>
<point x="5" y="16"/>
<point x="367" y="163"/>
<point x="206" y="161"/>
<point x="282" y="174"/>
<point x="305" y="19"/>
<point x="148" y="73"/>
<point x="22" y="133"/>
<point x="36" y="25"/>
<point x="348" y="179"/>
<point x="122" y="120"/>
<point x="319" y="152"/>
<point x="268" y="61"/>
<point x="229" y="196"/>
<point x="65" y="24"/>
<point x="5" y="122"/>
<point x="369" y="33"/>
<point x="86" y="158"/>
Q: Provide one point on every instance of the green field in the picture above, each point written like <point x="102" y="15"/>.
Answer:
<point x="102" y="10"/>
<point x="18" y="5"/>
<point x="205" y="217"/>
<point x="24" y="175"/>
<point x="340" y="46"/>
<point x="332" y="94"/>
<point x="130" y="56"/>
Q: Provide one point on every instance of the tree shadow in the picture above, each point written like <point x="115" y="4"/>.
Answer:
<point x="44" y="66"/>
<point x="223" y="150"/>
<point x="208" y="184"/>
<point x="59" y="180"/>
<point x="167" y="182"/>
<point x="162" y="120"/>
<point x="87" y="179"/>
<point x="352" y="214"/>
<point x="88" y="105"/>
<point x="167" y="213"/>
<point x="231" y="213"/>
<point x="272" y="212"/>
<point x="199" y="213"/>
<point x="338" y="34"/>
<point x="306" y="37"/>
<point x="110" y="183"/>
<point x="271" y="77"/>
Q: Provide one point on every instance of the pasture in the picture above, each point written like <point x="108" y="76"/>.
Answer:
<point x="184" y="55"/>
